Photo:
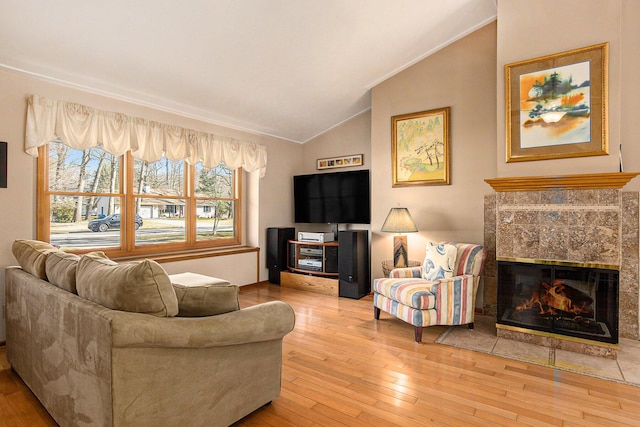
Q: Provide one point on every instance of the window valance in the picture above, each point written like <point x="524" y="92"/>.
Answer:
<point x="82" y="127"/>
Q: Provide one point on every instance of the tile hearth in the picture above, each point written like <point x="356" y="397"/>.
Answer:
<point x="483" y="338"/>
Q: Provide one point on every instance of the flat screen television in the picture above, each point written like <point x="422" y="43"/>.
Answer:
<point x="332" y="198"/>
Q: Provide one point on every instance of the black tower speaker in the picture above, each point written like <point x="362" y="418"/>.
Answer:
<point x="277" y="238"/>
<point x="354" y="274"/>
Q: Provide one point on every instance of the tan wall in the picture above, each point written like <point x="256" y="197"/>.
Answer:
<point x="526" y="32"/>
<point x="269" y="198"/>
<point x="350" y="137"/>
<point x="461" y="76"/>
<point x="630" y="89"/>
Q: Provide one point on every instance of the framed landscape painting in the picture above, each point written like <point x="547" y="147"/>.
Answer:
<point x="420" y="148"/>
<point x="556" y="105"/>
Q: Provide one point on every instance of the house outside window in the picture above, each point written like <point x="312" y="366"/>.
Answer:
<point x="92" y="200"/>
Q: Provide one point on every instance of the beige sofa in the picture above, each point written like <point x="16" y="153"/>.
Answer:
<point x="93" y="365"/>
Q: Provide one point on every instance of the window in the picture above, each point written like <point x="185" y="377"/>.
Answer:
<point x="92" y="200"/>
<point x="214" y="202"/>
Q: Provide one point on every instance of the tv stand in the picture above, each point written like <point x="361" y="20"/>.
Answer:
<point x="313" y="266"/>
<point x="339" y="268"/>
<point x="315" y="258"/>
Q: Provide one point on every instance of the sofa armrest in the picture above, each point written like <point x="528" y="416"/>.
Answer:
<point x="263" y="322"/>
<point x="405" y="272"/>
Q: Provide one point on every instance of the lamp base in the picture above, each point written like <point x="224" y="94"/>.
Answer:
<point x="400" y="251"/>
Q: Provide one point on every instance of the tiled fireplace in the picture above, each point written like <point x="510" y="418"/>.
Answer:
<point x="573" y="301"/>
<point x="565" y="271"/>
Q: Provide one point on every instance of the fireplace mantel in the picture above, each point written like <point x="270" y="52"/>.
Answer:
<point x="591" y="181"/>
<point x="585" y="219"/>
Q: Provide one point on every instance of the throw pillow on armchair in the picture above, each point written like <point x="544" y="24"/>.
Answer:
<point x="439" y="262"/>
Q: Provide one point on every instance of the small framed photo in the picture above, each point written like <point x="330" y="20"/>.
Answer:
<point x="340" y="162"/>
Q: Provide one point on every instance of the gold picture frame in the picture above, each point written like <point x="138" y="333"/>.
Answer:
<point x="340" y="162"/>
<point x="556" y="105"/>
<point x="420" y="148"/>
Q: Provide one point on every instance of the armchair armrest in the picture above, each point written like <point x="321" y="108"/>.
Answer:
<point x="455" y="299"/>
<point x="263" y="322"/>
<point x="451" y="281"/>
<point x="406" y="272"/>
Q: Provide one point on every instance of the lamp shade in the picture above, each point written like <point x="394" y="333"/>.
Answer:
<point x="399" y="220"/>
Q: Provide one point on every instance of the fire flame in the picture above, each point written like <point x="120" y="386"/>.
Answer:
<point x="554" y="298"/>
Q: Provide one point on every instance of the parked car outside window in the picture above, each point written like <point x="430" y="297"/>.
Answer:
<point x="111" y="222"/>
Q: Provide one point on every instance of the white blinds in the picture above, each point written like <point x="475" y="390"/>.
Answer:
<point x="82" y="127"/>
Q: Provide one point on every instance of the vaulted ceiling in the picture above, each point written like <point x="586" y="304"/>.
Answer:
<point x="287" y="68"/>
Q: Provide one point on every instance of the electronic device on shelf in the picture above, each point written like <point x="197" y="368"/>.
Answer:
<point x="308" y="236"/>
<point x="310" y="264"/>
<point x="315" y="251"/>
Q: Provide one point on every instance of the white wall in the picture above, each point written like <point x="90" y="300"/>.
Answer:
<point x="239" y="269"/>
<point x="269" y="198"/>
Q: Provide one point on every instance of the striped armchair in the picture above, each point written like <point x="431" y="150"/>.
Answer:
<point x="451" y="301"/>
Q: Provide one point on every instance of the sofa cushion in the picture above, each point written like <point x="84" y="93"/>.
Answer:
<point x="61" y="269"/>
<point x="200" y="295"/>
<point x="439" y="262"/>
<point x="32" y="256"/>
<point x="140" y="287"/>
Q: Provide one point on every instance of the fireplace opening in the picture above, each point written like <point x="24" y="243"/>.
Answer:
<point x="566" y="300"/>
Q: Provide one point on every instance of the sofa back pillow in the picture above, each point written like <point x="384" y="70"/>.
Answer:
<point x="139" y="287"/>
<point x="32" y="256"/>
<point x="61" y="269"/>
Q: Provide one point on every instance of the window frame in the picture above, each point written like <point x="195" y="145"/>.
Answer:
<point x="128" y="247"/>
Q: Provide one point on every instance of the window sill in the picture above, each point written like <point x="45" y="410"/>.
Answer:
<point x="191" y="254"/>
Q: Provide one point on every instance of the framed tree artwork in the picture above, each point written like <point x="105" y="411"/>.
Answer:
<point x="556" y="105"/>
<point x="420" y="148"/>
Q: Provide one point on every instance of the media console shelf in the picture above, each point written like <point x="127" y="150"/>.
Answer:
<point x="319" y="259"/>
<point x="335" y="268"/>
<point x="312" y="267"/>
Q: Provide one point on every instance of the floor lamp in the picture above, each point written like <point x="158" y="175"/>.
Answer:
<point x="399" y="220"/>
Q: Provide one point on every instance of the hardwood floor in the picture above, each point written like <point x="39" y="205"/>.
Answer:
<point x="18" y="406"/>
<point x="342" y="368"/>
